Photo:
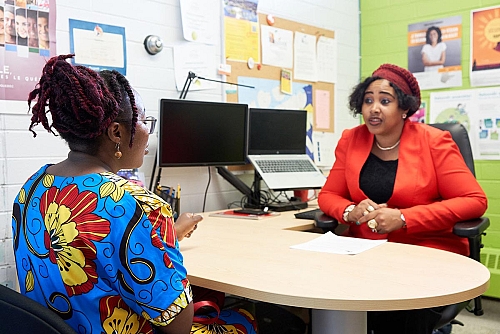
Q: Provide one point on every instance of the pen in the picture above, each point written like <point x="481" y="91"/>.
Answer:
<point x="178" y="197"/>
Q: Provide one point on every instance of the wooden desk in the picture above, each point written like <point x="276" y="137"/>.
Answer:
<point x="253" y="259"/>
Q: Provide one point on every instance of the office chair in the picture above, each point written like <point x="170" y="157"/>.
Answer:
<point x="22" y="315"/>
<point x="473" y="229"/>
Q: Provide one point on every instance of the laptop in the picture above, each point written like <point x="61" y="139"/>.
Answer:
<point x="277" y="149"/>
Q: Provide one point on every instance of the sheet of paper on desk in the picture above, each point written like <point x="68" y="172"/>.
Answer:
<point x="331" y="243"/>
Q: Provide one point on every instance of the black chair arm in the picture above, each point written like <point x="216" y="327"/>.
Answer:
<point x="449" y="313"/>
<point x="471" y="228"/>
<point x="325" y="222"/>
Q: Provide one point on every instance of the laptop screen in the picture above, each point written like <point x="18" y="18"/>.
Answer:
<point x="277" y="131"/>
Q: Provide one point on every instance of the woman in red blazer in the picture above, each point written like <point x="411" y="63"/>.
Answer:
<point x="398" y="180"/>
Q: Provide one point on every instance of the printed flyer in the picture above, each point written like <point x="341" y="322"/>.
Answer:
<point x="29" y="40"/>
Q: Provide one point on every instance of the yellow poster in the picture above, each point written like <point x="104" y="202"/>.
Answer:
<point x="286" y="82"/>
<point x="241" y="40"/>
<point x="241" y="31"/>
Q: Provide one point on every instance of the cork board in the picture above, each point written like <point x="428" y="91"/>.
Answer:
<point x="274" y="73"/>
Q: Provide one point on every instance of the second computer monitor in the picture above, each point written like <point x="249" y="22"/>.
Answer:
<point x="277" y="131"/>
<point x="194" y="133"/>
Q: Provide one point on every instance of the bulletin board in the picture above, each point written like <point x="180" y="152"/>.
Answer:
<point x="239" y="68"/>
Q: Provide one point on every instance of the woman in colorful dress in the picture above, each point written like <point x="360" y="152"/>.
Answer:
<point x="98" y="250"/>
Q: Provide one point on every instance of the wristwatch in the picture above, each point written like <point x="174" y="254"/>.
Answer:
<point x="348" y="210"/>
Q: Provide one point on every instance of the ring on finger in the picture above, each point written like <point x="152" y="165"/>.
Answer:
<point x="372" y="223"/>
<point x="370" y="208"/>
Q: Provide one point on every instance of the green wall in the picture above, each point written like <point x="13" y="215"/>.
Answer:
<point x="384" y="28"/>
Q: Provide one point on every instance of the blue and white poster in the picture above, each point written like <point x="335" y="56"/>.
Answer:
<point x="98" y="46"/>
<point x="267" y="94"/>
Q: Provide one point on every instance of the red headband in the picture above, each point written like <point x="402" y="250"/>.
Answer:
<point x="400" y="77"/>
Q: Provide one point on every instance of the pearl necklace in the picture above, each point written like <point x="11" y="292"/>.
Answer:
<point x="387" y="148"/>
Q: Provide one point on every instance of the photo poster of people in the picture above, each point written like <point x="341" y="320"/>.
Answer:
<point x="485" y="47"/>
<point x="434" y="52"/>
<point x="27" y="41"/>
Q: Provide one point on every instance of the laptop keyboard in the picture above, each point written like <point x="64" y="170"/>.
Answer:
<point x="285" y="166"/>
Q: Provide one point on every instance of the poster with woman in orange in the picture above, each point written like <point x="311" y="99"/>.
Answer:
<point x="485" y="47"/>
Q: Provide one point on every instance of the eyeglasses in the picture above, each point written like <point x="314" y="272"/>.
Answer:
<point x="152" y="123"/>
<point x="150" y="119"/>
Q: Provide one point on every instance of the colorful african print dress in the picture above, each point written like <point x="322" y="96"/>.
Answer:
<point x="100" y="251"/>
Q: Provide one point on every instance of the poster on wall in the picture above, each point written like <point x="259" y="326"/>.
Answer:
<point x="485" y="47"/>
<point x="277" y="46"/>
<point x="241" y="31"/>
<point x="434" y="52"/>
<point x="192" y="58"/>
<point x="420" y="114"/>
<point x="478" y="111"/>
<point x="27" y="42"/>
<point x="199" y="20"/>
<point x="98" y="46"/>
<point x="267" y="95"/>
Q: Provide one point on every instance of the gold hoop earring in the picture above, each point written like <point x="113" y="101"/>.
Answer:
<point x="118" y="154"/>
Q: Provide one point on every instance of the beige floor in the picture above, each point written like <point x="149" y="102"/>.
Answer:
<point x="489" y="323"/>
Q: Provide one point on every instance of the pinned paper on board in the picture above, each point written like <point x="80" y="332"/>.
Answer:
<point x="286" y="82"/>
<point x="322" y="110"/>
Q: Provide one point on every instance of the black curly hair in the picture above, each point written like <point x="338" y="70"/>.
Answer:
<point x="405" y="101"/>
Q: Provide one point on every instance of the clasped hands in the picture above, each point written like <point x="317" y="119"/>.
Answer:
<point x="378" y="217"/>
<point x="186" y="224"/>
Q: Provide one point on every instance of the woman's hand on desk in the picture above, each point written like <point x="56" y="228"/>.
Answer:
<point x="384" y="219"/>
<point x="362" y="209"/>
<point x="186" y="224"/>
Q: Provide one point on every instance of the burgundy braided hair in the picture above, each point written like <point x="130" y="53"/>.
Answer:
<point x="82" y="103"/>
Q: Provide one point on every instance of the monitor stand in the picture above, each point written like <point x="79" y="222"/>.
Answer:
<point x="254" y="198"/>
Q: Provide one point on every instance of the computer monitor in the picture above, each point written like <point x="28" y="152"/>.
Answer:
<point x="277" y="131"/>
<point x="194" y="133"/>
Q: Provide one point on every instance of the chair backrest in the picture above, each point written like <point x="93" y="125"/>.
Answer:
<point x="461" y="138"/>
<point x="20" y="314"/>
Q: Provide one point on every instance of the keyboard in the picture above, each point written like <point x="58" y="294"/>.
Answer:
<point x="310" y="214"/>
<point x="285" y="166"/>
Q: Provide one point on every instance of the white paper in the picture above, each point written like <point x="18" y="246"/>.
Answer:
<point x="487" y="137"/>
<point x="196" y="58"/>
<point x="199" y="20"/>
<point x="331" y="243"/>
<point x="277" y="46"/>
<point x="105" y="49"/>
<point x="305" y="62"/>
<point x="327" y="59"/>
<point x="323" y="149"/>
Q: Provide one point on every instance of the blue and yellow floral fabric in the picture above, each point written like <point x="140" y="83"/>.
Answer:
<point x="100" y="251"/>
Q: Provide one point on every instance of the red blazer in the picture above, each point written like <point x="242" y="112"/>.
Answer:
<point x="434" y="188"/>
